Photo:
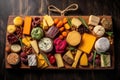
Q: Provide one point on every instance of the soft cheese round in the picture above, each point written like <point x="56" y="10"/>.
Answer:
<point x="15" y="48"/>
<point x="99" y="30"/>
<point x="73" y="38"/>
<point x="102" y="44"/>
<point x="45" y="44"/>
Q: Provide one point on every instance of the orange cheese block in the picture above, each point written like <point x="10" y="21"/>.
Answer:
<point x="27" y="25"/>
<point x="87" y="42"/>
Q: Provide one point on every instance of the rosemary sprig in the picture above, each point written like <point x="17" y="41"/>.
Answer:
<point x="69" y="21"/>
<point x="83" y="21"/>
<point x="46" y="59"/>
<point x="94" y="55"/>
<point x="109" y="33"/>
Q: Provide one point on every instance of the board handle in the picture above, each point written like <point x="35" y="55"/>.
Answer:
<point x="71" y="7"/>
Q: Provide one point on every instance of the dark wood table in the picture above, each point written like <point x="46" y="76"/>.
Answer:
<point x="39" y="7"/>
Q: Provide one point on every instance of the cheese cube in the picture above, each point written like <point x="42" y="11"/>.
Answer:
<point x="49" y="20"/>
<point x="87" y="42"/>
<point x="76" y="22"/>
<point x="93" y="20"/>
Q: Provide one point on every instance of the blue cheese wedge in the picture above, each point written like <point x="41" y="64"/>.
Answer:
<point x="32" y="61"/>
<point x="105" y="60"/>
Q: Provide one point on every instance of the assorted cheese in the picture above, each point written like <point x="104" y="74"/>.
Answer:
<point x="58" y="42"/>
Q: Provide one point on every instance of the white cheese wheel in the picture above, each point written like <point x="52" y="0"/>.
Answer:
<point x="102" y="44"/>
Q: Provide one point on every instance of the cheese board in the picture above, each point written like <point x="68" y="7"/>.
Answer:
<point x="59" y="42"/>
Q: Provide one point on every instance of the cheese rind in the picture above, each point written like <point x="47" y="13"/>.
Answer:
<point x="27" y="25"/>
<point x="87" y="42"/>
<point x="77" y="56"/>
<point x="59" y="60"/>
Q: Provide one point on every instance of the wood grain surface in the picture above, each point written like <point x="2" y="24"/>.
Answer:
<point x="39" y="7"/>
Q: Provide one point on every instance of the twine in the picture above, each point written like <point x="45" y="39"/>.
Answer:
<point x="71" y="7"/>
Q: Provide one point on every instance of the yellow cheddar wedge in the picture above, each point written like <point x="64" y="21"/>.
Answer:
<point x="27" y="25"/>
<point x="84" y="60"/>
<point x="77" y="56"/>
<point x="35" y="46"/>
<point x="49" y="20"/>
<point x="87" y="43"/>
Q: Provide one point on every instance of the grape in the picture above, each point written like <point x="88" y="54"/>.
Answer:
<point x="82" y="29"/>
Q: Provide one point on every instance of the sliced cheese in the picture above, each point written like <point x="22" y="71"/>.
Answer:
<point x="49" y="20"/>
<point x="84" y="60"/>
<point x="35" y="46"/>
<point x="87" y="42"/>
<point x="59" y="60"/>
<point x="27" y="25"/>
<point x="77" y="56"/>
<point x="45" y="26"/>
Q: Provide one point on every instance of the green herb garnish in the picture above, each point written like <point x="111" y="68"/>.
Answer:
<point x="83" y="21"/>
<point x="109" y="33"/>
<point x="94" y="55"/>
<point x="71" y="48"/>
<point x="69" y="21"/>
<point x="46" y="59"/>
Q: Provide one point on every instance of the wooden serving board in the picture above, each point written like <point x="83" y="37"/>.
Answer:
<point x="23" y="66"/>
